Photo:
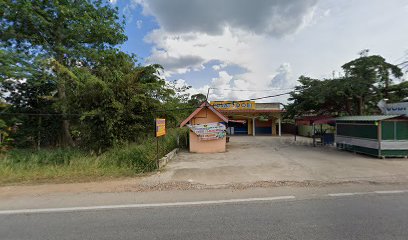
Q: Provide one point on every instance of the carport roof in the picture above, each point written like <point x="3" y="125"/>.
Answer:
<point x="366" y="118"/>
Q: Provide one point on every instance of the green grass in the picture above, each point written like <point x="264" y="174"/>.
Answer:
<point x="72" y="165"/>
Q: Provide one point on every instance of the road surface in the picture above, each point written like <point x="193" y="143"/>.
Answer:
<point x="335" y="216"/>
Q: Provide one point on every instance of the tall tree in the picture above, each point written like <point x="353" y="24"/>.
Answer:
<point x="117" y="100"/>
<point x="370" y="78"/>
<point x="65" y="34"/>
<point x="197" y="99"/>
<point x="320" y="97"/>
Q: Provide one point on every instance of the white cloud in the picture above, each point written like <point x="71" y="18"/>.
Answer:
<point x="272" y="17"/>
<point x="276" y="41"/>
<point x="180" y="53"/>
<point x="176" y="63"/>
<point x="218" y="67"/>
<point x="139" y="24"/>
<point x="283" y="77"/>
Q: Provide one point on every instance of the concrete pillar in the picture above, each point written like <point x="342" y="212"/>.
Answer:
<point x="253" y="126"/>
<point x="279" y="127"/>
<point x="249" y="126"/>
<point x="273" y="126"/>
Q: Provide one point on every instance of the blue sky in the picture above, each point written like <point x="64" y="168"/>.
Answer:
<point x="135" y="31"/>
<point x="263" y="44"/>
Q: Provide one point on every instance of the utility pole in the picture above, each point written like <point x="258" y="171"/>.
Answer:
<point x="208" y="93"/>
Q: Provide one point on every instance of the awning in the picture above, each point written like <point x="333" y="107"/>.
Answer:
<point x="237" y="121"/>
<point x="310" y="120"/>
<point x="325" y="121"/>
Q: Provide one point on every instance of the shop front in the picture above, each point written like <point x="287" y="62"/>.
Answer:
<point x="251" y="118"/>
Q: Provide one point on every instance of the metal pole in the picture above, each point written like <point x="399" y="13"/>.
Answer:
<point x="296" y="129"/>
<point x="208" y="93"/>
<point x="157" y="152"/>
<point x="253" y="126"/>
<point x="314" y="136"/>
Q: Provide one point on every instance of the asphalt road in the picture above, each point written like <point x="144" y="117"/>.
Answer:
<point x="345" y="217"/>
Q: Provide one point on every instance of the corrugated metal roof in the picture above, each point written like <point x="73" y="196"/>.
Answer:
<point x="366" y="118"/>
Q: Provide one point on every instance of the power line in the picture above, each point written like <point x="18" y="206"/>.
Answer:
<point x="270" y="96"/>
<point x="40" y="114"/>
<point x="84" y="114"/>
<point x="253" y="90"/>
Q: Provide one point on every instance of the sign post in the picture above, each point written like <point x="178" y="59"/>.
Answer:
<point x="160" y="130"/>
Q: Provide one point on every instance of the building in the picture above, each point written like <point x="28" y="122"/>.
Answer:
<point x="380" y="136"/>
<point x="207" y="130"/>
<point x="251" y="118"/>
<point x="210" y="123"/>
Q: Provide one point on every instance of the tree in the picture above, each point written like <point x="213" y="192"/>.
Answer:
<point x="370" y="78"/>
<point x="64" y="34"/>
<point x="404" y="64"/>
<point x="117" y="100"/>
<point x="197" y="99"/>
<point x="32" y="100"/>
<point x="320" y="97"/>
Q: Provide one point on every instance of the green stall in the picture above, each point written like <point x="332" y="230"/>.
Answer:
<point x="380" y="135"/>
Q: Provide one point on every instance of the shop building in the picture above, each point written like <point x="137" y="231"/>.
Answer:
<point x="207" y="130"/>
<point x="251" y="118"/>
<point x="211" y="122"/>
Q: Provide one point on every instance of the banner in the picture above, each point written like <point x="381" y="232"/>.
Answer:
<point x="233" y="105"/>
<point x="209" y="131"/>
<point x="160" y="127"/>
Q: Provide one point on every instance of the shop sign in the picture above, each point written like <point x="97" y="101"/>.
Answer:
<point x="209" y="131"/>
<point x="400" y="108"/>
<point x="160" y="127"/>
<point x="233" y="105"/>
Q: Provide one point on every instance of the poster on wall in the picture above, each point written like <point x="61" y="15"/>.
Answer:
<point x="209" y="131"/>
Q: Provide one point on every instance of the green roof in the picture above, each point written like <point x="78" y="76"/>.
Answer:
<point x="366" y="118"/>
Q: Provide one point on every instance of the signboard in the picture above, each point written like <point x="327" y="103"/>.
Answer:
<point x="233" y="105"/>
<point x="400" y="108"/>
<point x="160" y="127"/>
<point x="209" y="131"/>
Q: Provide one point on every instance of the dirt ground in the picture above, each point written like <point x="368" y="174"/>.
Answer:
<point x="261" y="161"/>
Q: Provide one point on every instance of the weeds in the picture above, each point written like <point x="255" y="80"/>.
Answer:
<point x="68" y="165"/>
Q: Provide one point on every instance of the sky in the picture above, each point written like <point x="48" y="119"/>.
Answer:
<point x="244" y="49"/>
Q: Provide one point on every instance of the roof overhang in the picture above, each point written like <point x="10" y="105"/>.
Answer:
<point x="368" y="118"/>
<point x="202" y="106"/>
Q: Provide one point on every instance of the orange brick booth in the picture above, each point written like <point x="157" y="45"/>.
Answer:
<point x="207" y="130"/>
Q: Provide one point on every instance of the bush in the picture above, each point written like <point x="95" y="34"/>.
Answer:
<point x="72" y="164"/>
<point x="142" y="157"/>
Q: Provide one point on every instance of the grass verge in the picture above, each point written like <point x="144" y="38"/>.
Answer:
<point x="72" y="165"/>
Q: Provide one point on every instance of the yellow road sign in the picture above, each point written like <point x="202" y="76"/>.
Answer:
<point x="160" y="127"/>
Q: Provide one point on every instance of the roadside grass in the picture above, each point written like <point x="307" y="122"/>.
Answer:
<point x="73" y="165"/>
